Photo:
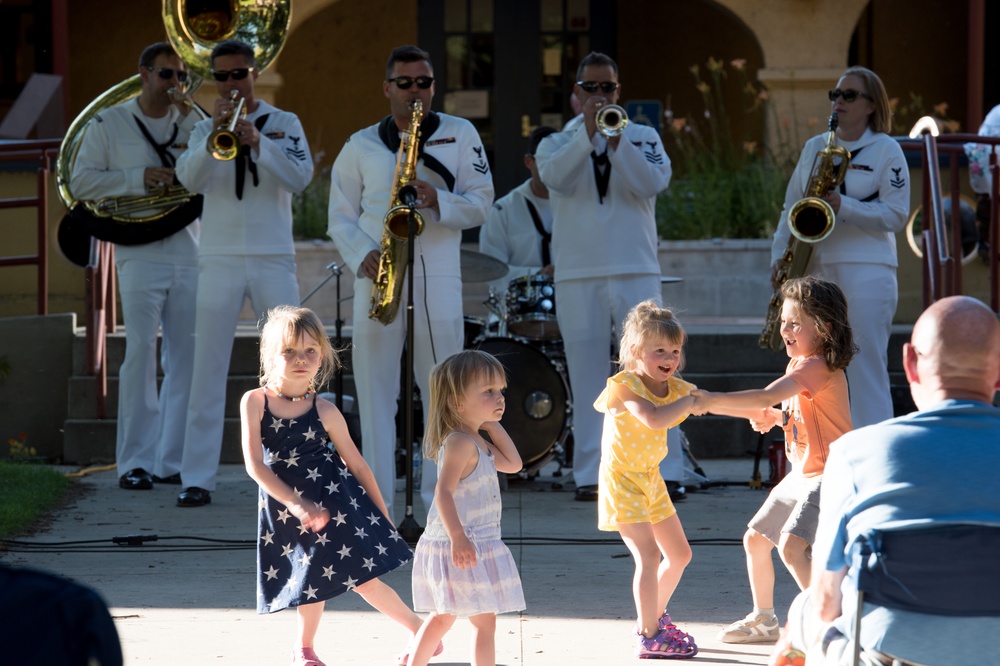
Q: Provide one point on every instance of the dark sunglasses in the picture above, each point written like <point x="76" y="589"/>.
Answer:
<point x="592" y="86"/>
<point x="848" y="95"/>
<point x="166" y="73"/>
<point x="404" y="82"/>
<point x="236" y="74"/>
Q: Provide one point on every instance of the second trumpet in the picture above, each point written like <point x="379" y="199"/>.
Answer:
<point x="223" y="143"/>
<point x="611" y="120"/>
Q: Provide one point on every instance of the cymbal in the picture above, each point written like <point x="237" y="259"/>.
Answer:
<point x="479" y="267"/>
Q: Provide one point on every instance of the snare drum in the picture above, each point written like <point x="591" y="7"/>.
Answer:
<point x="538" y="410"/>
<point x="531" y="307"/>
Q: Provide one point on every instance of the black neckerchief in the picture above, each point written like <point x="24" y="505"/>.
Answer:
<point x="602" y="172"/>
<point x="843" y="185"/>
<point x="245" y="163"/>
<point x="388" y="132"/>
<point x="540" y="228"/>
<point x="167" y="158"/>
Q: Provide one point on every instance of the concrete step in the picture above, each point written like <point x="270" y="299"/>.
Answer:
<point x="92" y="441"/>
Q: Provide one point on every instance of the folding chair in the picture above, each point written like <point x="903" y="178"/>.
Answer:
<point x="942" y="569"/>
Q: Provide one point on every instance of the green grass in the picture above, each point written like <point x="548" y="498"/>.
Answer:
<point x="27" y="493"/>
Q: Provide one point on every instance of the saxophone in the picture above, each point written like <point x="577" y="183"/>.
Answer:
<point x="810" y="220"/>
<point x="388" y="285"/>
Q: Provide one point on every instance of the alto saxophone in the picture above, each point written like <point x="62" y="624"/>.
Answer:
<point x="810" y="220"/>
<point x="388" y="285"/>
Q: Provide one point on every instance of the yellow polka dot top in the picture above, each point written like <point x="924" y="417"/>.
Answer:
<point x="627" y="443"/>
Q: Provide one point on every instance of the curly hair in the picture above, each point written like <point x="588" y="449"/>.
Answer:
<point x="824" y="302"/>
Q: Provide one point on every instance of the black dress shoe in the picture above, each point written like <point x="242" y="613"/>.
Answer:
<point x="136" y="479"/>
<point x="677" y="492"/>
<point x="586" y="493"/>
<point x="194" y="496"/>
<point x="173" y="479"/>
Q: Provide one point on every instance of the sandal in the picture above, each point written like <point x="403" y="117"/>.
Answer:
<point x="305" y="657"/>
<point x="669" y="643"/>
<point x="403" y="658"/>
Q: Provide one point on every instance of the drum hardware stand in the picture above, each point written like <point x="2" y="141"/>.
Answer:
<point x="409" y="529"/>
<point x="335" y="270"/>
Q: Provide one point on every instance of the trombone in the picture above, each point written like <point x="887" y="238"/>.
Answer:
<point x="223" y="143"/>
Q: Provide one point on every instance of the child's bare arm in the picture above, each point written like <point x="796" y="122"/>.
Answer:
<point x="650" y="415"/>
<point x="505" y="454"/>
<point x="748" y="404"/>
<point x="459" y="459"/>
<point x="336" y="428"/>
<point x="311" y="514"/>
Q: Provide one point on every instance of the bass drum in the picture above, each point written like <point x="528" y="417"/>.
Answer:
<point x="539" y="409"/>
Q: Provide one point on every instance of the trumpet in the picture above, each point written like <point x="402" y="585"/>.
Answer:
<point x="611" y="120"/>
<point x="223" y="143"/>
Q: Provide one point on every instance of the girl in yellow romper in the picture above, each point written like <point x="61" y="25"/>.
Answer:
<point x="639" y="404"/>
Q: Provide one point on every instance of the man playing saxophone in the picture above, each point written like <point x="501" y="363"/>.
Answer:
<point x="871" y="205"/>
<point x="129" y="151"/>
<point x="454" y="191"/>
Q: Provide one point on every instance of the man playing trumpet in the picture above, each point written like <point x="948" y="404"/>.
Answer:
<point x="129" y="150"/>
<point x="603" y="189"/>
<point x="246" y="243"/>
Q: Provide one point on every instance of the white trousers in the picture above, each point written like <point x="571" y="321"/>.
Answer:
<point x="377" y="354"/>
<point x="872" y="295"/>
<point x="672" y="467"/>
<point x="590" y="313"/>
<point x="224" y="282"/>
<point x="150" y="423"/>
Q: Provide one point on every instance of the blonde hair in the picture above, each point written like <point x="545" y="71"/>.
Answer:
<point x="449" y="381"/>
<point x="881" y="119"/>
<point x="644" y="322"/>
<point x="285" y="325"/>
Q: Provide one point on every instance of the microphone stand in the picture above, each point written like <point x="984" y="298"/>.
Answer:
<point x="409" y="529"/>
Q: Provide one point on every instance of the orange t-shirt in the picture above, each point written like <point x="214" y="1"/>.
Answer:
<point x="817" y="416"/>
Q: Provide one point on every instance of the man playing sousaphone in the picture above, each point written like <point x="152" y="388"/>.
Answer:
<point x="246" y="242"/>
<point x="129" y="151"/>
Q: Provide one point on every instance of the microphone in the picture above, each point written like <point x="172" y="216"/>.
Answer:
<point x="408" y="195"/>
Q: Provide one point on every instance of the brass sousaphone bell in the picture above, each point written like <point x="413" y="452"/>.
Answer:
<point x="193" y="29"/>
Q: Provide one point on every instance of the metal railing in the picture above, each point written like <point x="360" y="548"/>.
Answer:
<point x="43" y="152"/>
<point x="101" y="316"/>
<point x="942" y="265"/>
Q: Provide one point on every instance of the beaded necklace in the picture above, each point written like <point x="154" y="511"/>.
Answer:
<point x="304" y="396"/>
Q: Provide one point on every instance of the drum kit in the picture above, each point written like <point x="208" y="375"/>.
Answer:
<point x="525" y="338"/>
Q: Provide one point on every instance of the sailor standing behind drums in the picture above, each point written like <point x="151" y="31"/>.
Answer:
<point x="454" y="191"/>
<point x="603" y="192"/>
<point x="518" y="230"/>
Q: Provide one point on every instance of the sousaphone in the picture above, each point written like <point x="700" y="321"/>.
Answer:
<point x="193" y="28"/>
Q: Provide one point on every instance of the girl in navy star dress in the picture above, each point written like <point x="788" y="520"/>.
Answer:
<point x="322" y="522"/>
<point x="462" y="568"/>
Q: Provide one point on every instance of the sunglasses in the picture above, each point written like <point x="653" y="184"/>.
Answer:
<point x="236" y="74"/>
<point x="848" y="95"/>
<point x="592" y="86"/>
<point x="166" y="73"/>
<point x="404" y="82"/>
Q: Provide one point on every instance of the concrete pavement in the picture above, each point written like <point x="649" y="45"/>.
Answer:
<point x="188" y="597"/>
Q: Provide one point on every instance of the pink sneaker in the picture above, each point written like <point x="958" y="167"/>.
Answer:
<point x="305" y="657"/>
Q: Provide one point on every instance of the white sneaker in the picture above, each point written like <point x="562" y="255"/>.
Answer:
<point x="751" y="629"/>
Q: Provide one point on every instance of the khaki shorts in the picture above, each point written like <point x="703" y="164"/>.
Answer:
<point x="792" y="508"/>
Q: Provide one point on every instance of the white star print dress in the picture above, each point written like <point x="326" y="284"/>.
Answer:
<point x="493" y="585"/>
<point x="296" y="566"/>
